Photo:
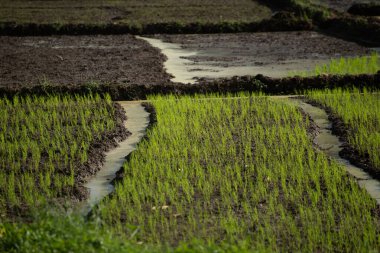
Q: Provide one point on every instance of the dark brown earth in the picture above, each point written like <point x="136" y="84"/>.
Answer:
<point x="133" y="12"/>
<point x="370" y="9"/>
<point x="340" y="5"/>
<point x="72" y="60"/>
<point x="125" y="60"/>
<point x="271" y="49"/>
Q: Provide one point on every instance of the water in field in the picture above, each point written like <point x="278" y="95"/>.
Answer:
<point x="331" y="145"/>
<point x="209" y="61"/>
<point x="100" y="185"/>
<point x="184" y="70"/>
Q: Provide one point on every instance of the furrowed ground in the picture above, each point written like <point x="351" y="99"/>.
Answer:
<point x="360" y="114"/>
<point x="48" y="145"/>
<point x="133" y="12"/>
<point x="240" y="172"/>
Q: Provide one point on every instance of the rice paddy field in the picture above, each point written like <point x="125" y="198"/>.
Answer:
<point x="242" y="171"/>
<point x="231" y="174"/>
<point x="213" y="164"/>
<point x="345" y="65"/>
<point x="360" y="113"/>
<point x="45" y="143"/>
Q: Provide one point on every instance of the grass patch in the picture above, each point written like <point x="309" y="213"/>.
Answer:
<point x="241" y="172"/>
<point x="52" y="232"/>
<point x="71" y="234"/>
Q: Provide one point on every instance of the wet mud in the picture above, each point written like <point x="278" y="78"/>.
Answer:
<point x="277" y="54"/>
<point x="126" y="61"/>
<point x="101" y="185"/>
<point x="331" y="144"/>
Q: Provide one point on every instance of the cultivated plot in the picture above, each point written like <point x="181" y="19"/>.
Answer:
<point x="238" y="171"/>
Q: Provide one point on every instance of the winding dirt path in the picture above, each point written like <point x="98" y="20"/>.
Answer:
<point x="100" y="185"/>
<point x="331" y="145"/>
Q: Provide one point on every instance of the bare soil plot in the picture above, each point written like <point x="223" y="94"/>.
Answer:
<point x="71" y="60"/>
<point x="131" y="12"/>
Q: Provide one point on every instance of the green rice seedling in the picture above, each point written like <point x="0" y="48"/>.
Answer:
<point x="238" y="172"/>
<point x="342" y="66"/>
<point x="43" y="142"/>
<point x="360" y="112"/>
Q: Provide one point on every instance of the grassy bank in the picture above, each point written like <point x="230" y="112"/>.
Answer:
<point x="46" y="147"/>
<point x="241" y="172"/>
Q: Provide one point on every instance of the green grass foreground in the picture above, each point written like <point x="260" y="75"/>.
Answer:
<point x="242" y="172"/>
<point x="360" y="112"/>
<point x="53" y="232"/>
<point x="44" y="143"/>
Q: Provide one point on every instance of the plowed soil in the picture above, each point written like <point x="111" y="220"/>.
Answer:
<point x="125" y="60"/>
<point x="72" y="60"/>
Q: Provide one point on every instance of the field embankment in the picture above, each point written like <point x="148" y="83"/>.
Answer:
<point x="331" y="18"/>
<point x="258" y="83"/>
<point x="20" y="18"/>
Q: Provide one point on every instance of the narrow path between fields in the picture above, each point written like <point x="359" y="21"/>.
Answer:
<point x="331" y="145"/>
<point x="100" y="185"/>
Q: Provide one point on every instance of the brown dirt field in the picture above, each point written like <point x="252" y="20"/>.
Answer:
<point x="133" y="12"/>
<point x="125" y="60"/>
<point x="72" y="60"/>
